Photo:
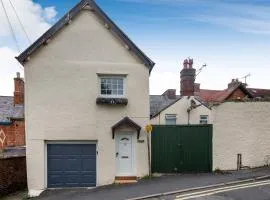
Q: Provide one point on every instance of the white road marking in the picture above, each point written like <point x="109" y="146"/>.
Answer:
<point x="220" y="190"/>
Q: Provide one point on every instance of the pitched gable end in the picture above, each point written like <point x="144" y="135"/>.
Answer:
<point x="43" y="40"/>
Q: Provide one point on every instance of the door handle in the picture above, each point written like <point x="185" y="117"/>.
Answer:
<point x="117" y="154"/>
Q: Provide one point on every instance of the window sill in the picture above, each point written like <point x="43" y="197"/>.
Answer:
<point x="111" y="101"/>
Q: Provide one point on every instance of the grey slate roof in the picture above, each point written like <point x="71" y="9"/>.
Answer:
<point x="10" y="152"/>
<point x="8" y="110"/>
<point x="159" y="103"/>
<point x="22" y="58"/>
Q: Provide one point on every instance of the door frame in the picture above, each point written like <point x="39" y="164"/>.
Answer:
<point x="133" y="153"/>
<point x="46" y="142"/>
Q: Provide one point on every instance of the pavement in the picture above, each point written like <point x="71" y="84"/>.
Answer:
<point x="156" y="185"/>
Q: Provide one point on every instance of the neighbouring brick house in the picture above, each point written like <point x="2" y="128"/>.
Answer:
<point x="236" y="90"/>
<point x="12" y="132"/>
<point x="186" y="108"/>
<point x="193" y="104"/>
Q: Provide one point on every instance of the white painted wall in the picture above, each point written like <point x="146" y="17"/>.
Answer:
<point x="241" y="128"/>
<point x="61" y="88"/>
<point x="180" y="109"/>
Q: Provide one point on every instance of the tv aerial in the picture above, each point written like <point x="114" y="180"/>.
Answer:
<point x="200" y="69"/>
<point x="245" y="77"/>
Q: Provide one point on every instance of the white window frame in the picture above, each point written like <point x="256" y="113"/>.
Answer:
<point x="170" y="117"/>
<point x="112" y="95"/>
<point x="202" y="121"/>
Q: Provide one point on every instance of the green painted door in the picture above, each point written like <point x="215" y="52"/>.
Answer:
<point x="181" y="148"/>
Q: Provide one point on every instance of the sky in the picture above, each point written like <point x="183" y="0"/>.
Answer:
<point x="231" y="36"/>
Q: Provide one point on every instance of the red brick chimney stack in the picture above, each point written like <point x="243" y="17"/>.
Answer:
<point x="233" y="83"/>
<point x="18" y="90"/>
<point x="187" y="76"/>
<point x="170" y="94"/>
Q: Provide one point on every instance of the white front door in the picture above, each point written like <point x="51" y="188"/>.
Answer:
<point x="124" y="155"/>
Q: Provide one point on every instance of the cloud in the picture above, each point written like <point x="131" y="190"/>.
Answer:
<point x="257" y="26"/>
<point x="8" y="67"/>
<point x="238" y="15"/>
<point x="50" y="13"/>
<point x="160" y="1"/>
<point x="169" y="80"/>
<point x="36" y="20"/>
<point x="241" y="16"/>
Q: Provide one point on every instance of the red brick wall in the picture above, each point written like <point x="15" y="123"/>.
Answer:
<point x="19" y="91"/>
<point x="236" y="94"/>
<point x="12" y="175"/>
<point x="15" y="134"/>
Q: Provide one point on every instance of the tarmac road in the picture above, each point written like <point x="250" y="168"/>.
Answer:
<point x="259" y="190"/>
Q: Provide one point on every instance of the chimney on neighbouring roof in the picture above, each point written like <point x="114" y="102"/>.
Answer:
<point x="18" y="89"/>
<point x="233" y="83"/>
<point x="187" y="76"/>
<point x="170" y="94"/>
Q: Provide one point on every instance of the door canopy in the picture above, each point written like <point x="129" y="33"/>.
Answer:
<point x="126" y="121"/>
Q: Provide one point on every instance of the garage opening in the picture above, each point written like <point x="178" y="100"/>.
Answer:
<point x="71" y="165"/>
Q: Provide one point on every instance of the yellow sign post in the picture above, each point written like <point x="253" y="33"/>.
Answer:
<point x="148" y="129"/>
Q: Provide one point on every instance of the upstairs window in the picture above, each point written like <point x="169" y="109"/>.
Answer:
<point x="112" y="86"/>
<point x="204" y="119"/>
<point x="170" y="119"/>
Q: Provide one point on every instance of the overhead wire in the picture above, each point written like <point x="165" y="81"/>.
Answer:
<point x="10" y="27"/>
<point x="27" y="36"/>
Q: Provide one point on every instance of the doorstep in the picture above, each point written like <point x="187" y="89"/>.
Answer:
<point x="125" y="179"/>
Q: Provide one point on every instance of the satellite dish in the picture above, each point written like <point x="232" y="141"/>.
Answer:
<point x="193" y="103"/>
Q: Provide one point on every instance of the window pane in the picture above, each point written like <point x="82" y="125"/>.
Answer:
<point x="112" y="86"/>
<point x="114" y="92"/>
<point x="203" y="122"/>
<point x="120" y="81"/>
<point x="120" y="92"/>
<point x="103" y="86"/>
<point x="109" y="87"/>
<point x="114" y="81"/>
<point x="120" y="87"/>
<point x="204" y="119"/>
<point x="170" y="121"/>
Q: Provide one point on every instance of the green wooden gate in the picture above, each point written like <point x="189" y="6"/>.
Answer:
<point x="181" y="148"/>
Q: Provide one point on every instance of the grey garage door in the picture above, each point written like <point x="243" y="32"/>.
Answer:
<point x="71" y="165"/>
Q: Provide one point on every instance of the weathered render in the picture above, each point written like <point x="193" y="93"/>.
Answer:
<point x="62" y="84"/>
<point x="180" y="107"/>
<point x="241" y="128"/>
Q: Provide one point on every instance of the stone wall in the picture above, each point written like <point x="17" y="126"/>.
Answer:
<point x="12" y="175"/>
<point x="241" y="128"/>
